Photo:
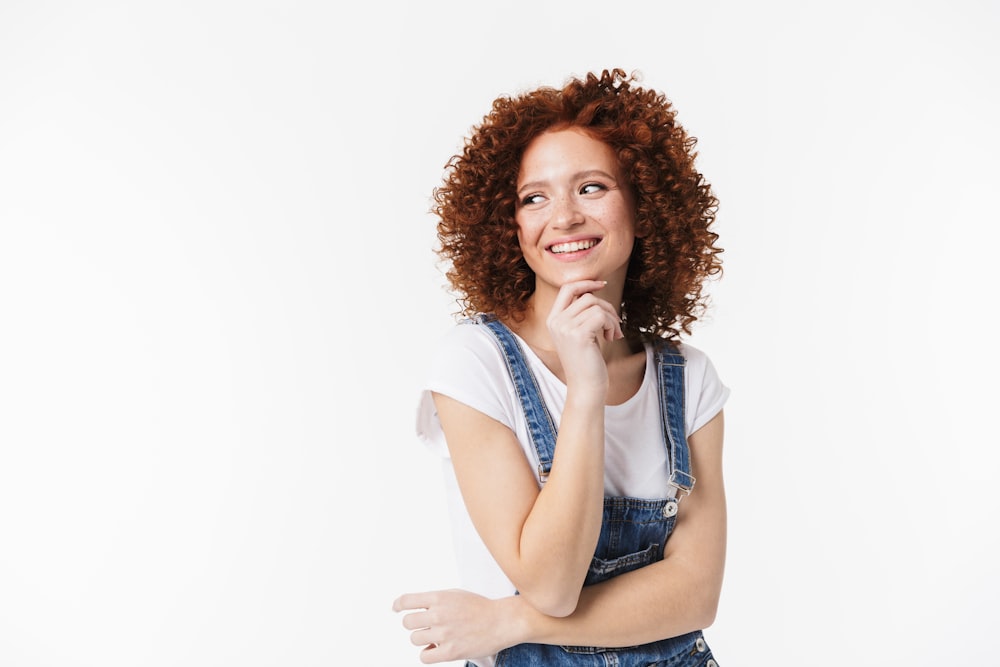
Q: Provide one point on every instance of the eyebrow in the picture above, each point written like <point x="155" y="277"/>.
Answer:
<point x="580" y="175"/>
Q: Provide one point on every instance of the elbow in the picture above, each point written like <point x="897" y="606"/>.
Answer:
<point x="555" y="603"/>
<point x="708" y="613"/>
<point x="561" y="608"/>
<point x="707" y="607"/>
<point x="555" y="596"/>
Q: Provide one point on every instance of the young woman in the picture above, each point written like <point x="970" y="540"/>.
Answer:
<point x="574" y="420"/>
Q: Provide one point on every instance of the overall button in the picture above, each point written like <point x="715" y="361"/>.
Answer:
<point x="700" y="645"/>
<point x="711" y="663"/>
<point x="670" y="509"/>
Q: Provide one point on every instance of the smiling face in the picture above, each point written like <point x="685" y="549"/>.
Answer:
<point x="575" y="212"/>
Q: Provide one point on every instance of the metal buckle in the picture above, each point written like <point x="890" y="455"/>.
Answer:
<point x="678" y="492"/>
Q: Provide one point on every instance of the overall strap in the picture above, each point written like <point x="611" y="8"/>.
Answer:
<point x="541" y="428"/>
<point x="670" y="370"/>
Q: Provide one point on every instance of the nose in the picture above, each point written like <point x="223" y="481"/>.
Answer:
<point x="565" y="213"/>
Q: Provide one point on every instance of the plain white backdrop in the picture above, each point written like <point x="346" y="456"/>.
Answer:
<point x="217" y="293"/>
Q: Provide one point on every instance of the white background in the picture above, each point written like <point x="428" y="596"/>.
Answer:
<point x="217" y="291"/>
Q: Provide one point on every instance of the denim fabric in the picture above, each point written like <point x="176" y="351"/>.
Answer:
<point x="634" y="531"/>
<point x="688" y="650"/>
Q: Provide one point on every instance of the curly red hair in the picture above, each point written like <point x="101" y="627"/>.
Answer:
<point x="675" y="249"/>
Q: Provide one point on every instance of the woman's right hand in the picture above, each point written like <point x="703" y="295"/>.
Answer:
<point x="581" y="325"/>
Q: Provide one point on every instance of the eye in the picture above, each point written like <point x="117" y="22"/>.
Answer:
<point x="531" y="199"/>
<point x="592" y="188"/>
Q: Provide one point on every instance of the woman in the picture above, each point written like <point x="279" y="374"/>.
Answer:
<point x="575" y="422"/>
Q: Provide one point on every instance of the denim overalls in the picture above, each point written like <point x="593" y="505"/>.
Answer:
<point x="633" y="531"/>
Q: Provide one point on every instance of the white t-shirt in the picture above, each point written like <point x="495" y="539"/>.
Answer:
<point x="469" y="367"/>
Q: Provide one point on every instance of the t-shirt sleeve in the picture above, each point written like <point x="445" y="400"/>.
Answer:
<point x="706" y="394"/>
<point x="466" y="366"/>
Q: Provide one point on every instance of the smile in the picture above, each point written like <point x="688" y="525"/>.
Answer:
<point x="573" y="246"/>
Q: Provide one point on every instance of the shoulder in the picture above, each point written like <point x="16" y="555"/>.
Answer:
<point x="700" y="369"/>
<point x="706" y="393"/>
<point x="696" y="359"/>
<point x="467" y="359"/>
<point x="468" y="366"/>
<point x="468" y="340"/>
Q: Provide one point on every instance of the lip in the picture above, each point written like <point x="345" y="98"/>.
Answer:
<point x="573" y="239"/>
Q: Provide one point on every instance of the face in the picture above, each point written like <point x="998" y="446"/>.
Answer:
<point x="575" y="212"/>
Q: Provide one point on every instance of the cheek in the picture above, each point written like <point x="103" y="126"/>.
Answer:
<point x="623" y="222"/>
<point x="527" y="232"/>
<point x="619" y="217"/>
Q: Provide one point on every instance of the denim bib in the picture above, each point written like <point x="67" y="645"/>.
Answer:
<point x="634" y="531"/>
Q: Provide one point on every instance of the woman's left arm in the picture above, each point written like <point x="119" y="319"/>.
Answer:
<point x="676" y="595"/>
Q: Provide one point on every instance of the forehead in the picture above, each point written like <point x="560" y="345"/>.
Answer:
<point x="570" y="149"/>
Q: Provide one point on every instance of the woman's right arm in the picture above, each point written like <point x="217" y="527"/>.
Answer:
<point x="544" y="539"/>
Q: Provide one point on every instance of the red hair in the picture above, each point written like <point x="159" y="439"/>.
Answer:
<point x="675" y="249"/>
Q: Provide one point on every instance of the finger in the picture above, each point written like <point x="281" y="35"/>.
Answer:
<point x="569" y="292"/>
<point x="586" y="301"/>
<point x="421" y="637"/>
<point x="613" y="330"/>
<point x="432" y="654"/>
<point x="416" y="620"/>
<point x="439" y="651"/>
<point x="603" y="320"/>
<point x="610" y="331"/>
<point x="411" y="601"/>
<point x="588" y="314"/>
<point x="595" y="314"/>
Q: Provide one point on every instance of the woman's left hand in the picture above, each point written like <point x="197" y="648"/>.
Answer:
<point x="459" y="625"/>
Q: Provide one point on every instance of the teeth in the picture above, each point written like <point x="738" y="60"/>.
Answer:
<point x="573" y="246"/>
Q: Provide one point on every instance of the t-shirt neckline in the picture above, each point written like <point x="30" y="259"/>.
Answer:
<point x="537" y="365"/>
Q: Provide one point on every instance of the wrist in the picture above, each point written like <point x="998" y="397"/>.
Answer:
<point x="520" y="617"/>
<point x="586" y="400"/>
<point x="586" y="395"/>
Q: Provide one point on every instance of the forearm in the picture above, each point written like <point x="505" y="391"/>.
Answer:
<point x="634" y="608"/>
<point x="561" y="531"/>
<point x="654" y="602"/>
<point x="543" y="540"/>
<point x="668" y="598"/>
